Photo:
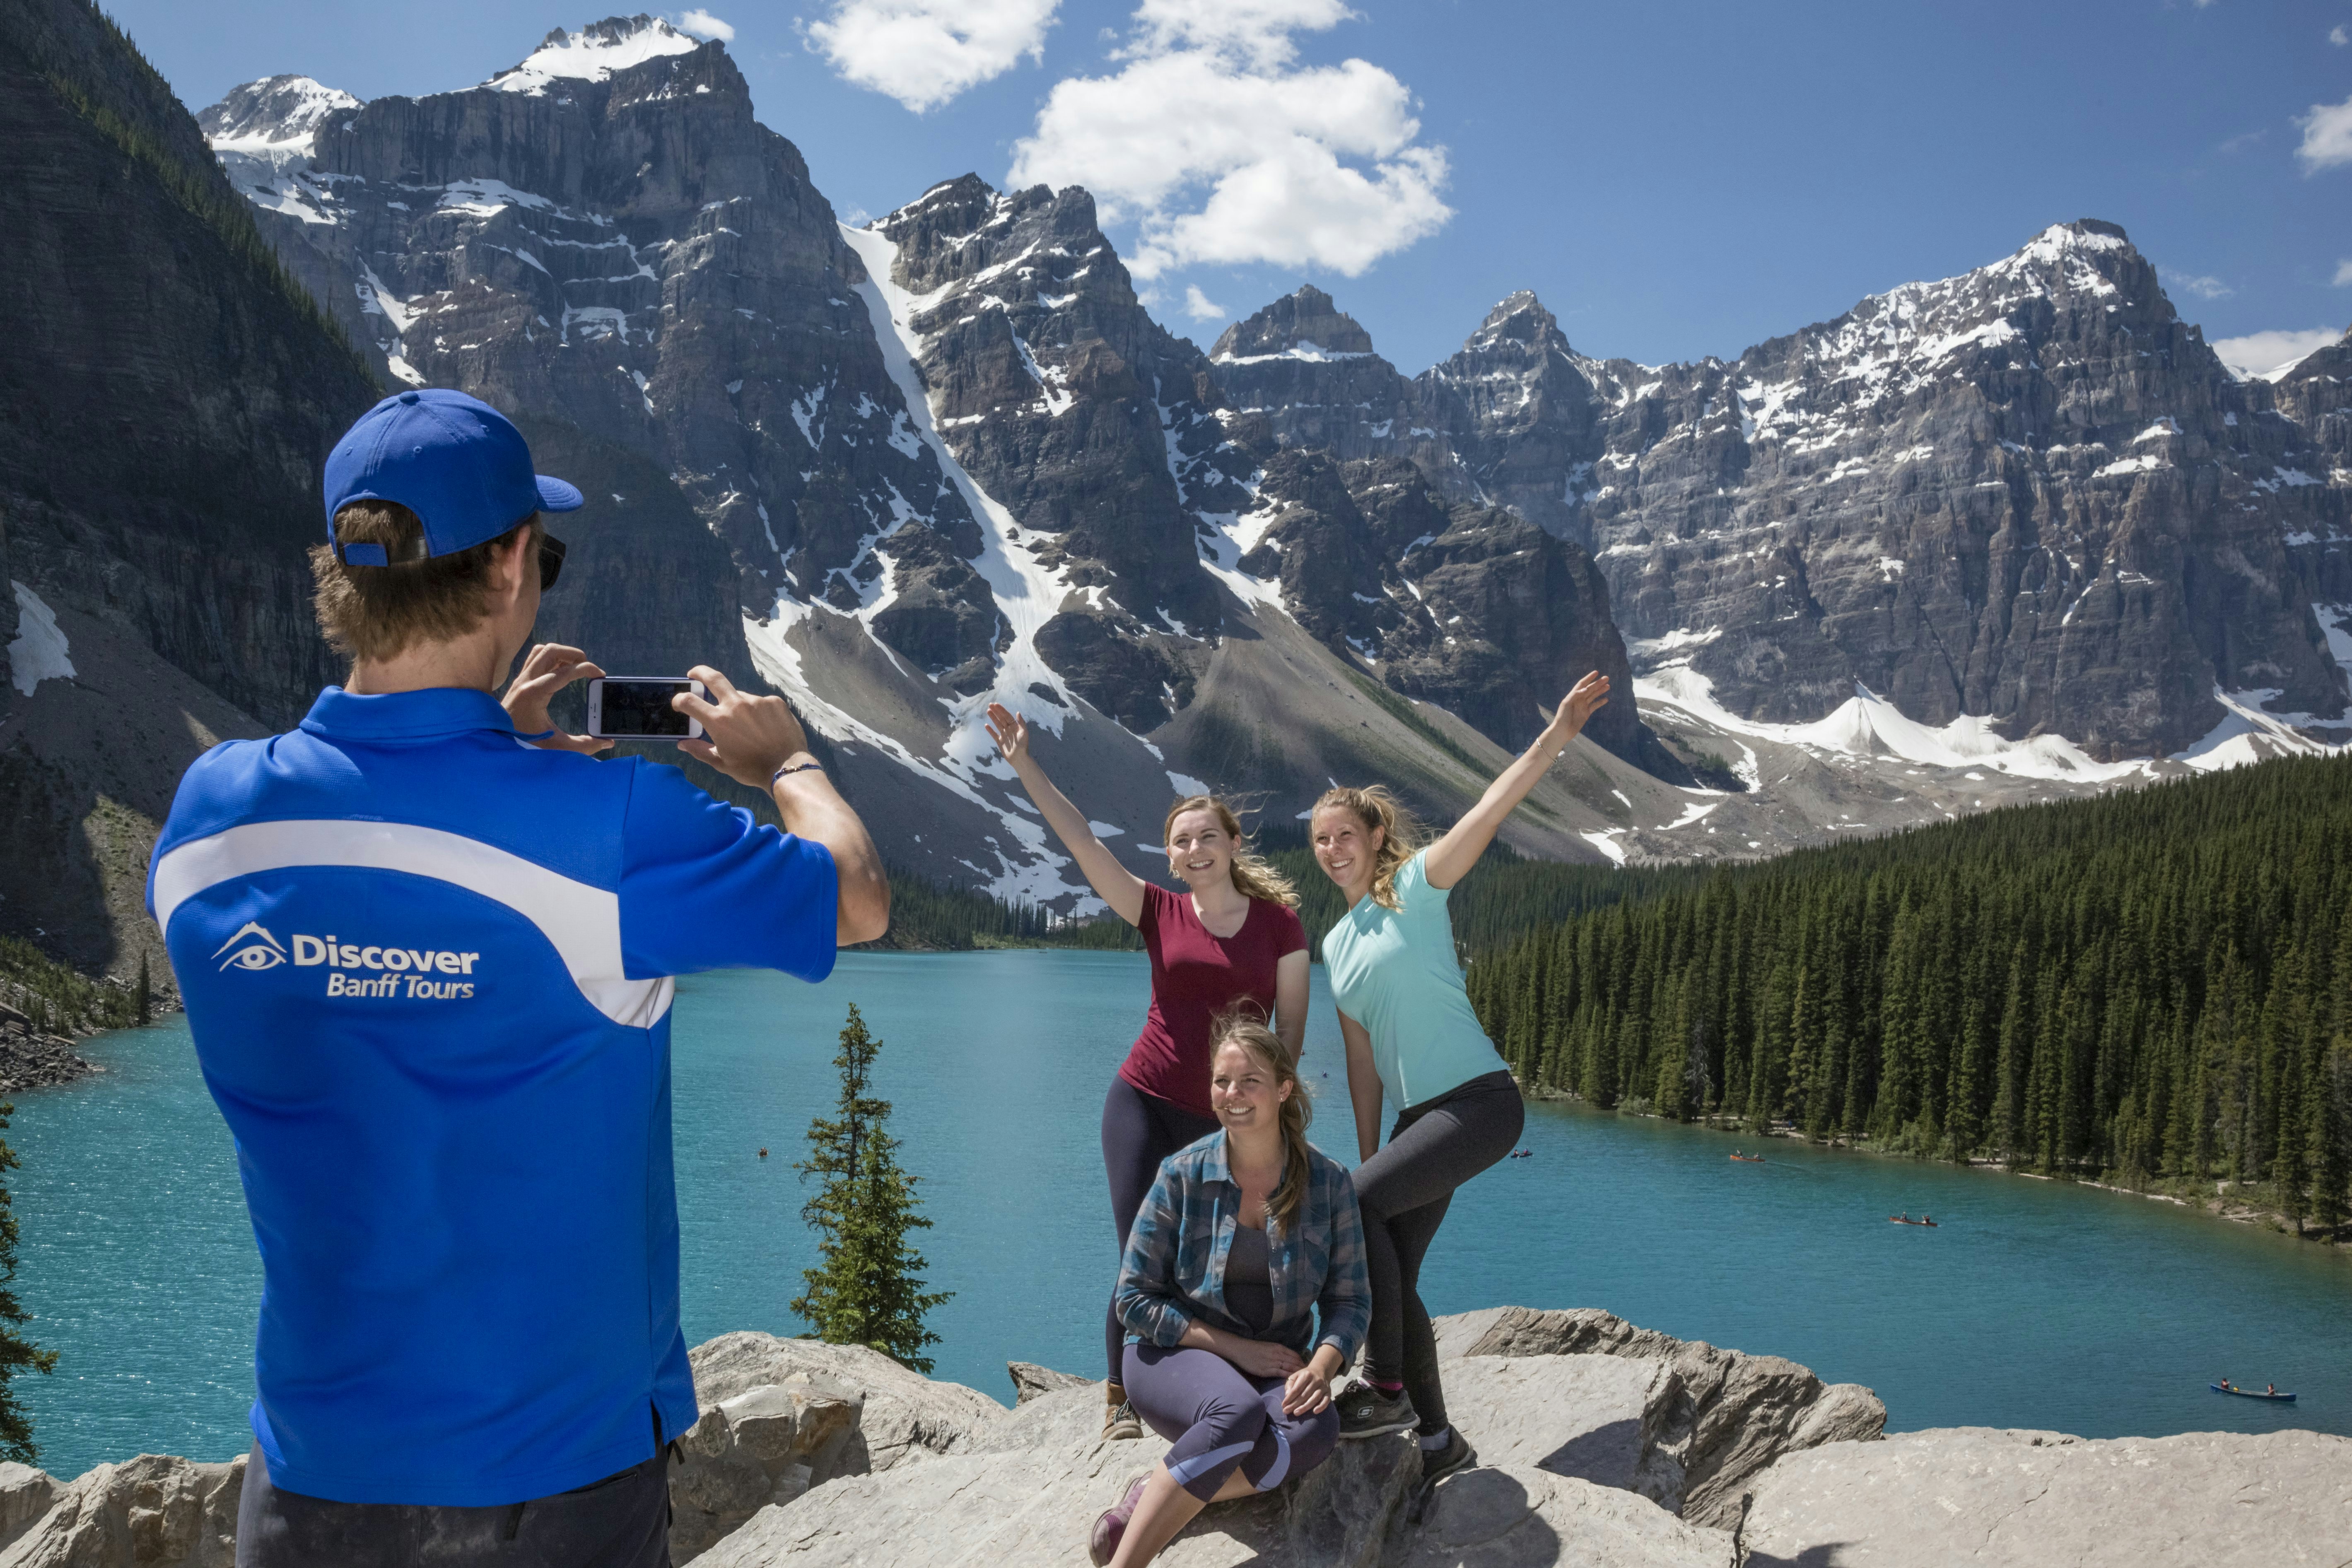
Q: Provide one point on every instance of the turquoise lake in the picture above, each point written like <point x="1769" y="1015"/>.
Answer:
<point x="2034" y="1304"/>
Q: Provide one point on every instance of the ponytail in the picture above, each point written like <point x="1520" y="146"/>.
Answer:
<point x="1401" y="832"/>
<point x="1255" y="877"/>
<point x="1241" y="1028"/>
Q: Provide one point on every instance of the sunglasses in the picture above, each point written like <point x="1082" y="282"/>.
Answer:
<point x="551" y="560"/>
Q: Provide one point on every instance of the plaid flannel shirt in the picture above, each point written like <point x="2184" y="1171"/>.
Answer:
<point x="1174" y="1271"/>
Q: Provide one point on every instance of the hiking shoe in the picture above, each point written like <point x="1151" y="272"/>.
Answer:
<point x="1120" y="1424"/>
<point x="1111" y="1525"/>
<point x="1457" y="1456"/>
<point x="1366" y="1412"/>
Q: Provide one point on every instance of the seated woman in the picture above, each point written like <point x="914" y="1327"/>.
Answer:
<point x="1246" y="1238"/>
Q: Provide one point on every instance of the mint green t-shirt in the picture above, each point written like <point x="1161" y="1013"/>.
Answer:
<point x="1393" y="971"/>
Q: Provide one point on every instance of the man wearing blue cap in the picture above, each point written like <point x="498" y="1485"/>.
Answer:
<point x="426" y="949"/>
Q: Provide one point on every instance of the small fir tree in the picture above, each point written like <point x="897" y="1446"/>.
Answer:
<point x="16" y="1352"/>
<point x="867" y="1289"/>
<point x="141" y="996"/>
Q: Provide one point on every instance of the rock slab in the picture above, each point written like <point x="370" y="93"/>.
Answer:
<point x="1992" y="1498"/>
<point x="153" y="1511"/>
<point x="1591" y="1433"/>
<point x="905" y="1416"/>
<point x="763" y="1446"/>
<point x="1709" y="1418"/>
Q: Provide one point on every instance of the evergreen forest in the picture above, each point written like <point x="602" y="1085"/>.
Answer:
<point x="2151" y="987"/>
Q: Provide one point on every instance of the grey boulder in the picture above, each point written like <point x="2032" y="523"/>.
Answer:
<point x="1031" y="1381"/>
<point x="765" y="1445"/>
<point x="1683" y="1423"/>
<point x="153" y="1511"/>
<point x="906" y="1416"/>
<point x="1992" y="1498"/>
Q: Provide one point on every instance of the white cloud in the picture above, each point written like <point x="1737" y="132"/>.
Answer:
<point x="2343" y="273"/>
<point x="703" y="24"/>
<point x="924" y="52"/>
<point x="1200" y="307"/>
<point x="1221" y="151"/>
<point x="2266" y="356"/>
<point x="2338" y="36"/>
<point x="2327" y="136"/>
<point x="2203" y="287"/>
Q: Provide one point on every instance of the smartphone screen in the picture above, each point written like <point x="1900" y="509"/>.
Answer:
<point x="636" y="707"/>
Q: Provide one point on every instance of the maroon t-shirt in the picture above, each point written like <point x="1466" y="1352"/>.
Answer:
<point x="1196" y="975"/>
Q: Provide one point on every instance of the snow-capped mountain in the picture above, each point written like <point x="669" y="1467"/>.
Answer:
<point x="2029" y="497"/>
<point x="951" y="459"/>
<point x="2011" y="532"/>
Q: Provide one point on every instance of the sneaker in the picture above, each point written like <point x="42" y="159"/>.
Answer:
<point x="1366" y="1412"/>
<point x="1120" y="1424"/>
<point x="1457" y="1456"/>
<point x="1112" y="1524"/>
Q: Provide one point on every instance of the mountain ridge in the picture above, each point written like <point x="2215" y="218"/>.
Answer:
<point x="1002" y="476"/>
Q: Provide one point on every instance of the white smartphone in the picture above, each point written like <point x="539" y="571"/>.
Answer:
<point x="636" y="708"/>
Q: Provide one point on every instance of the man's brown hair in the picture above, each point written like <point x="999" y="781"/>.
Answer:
<point x="379" y="612"/>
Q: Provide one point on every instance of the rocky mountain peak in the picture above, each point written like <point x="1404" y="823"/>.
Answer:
<point x="1304" y="325"/>
<point x="277" y="112"/>
<point x="1521" y="318"/>
<point x="1018" y="246"/>
<point x="595" y="53"/>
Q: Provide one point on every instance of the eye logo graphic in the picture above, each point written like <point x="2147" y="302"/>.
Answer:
<point x="263" y="952"/>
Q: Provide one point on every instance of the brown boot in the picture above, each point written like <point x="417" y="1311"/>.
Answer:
<point x="1121" y="1423"/>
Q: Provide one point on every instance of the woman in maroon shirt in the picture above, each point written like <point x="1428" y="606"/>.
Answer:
<point x="1232" y="938"/>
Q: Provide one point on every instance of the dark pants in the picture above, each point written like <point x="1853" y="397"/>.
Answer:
<point x="1138" y="1130"/>
<point x="621" y="1521"/>
<point x="1220" y="1418"/>
<point x="1403" y="1192"/>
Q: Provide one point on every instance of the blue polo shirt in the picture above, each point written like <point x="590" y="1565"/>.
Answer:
<point x="428" y="968"/>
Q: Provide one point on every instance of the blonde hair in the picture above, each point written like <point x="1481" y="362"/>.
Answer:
<point x="1401" y="832"/>
<point x="1254" y="875"/>
<point x="1242" y="1027"/>
<point x="380" y="612"/>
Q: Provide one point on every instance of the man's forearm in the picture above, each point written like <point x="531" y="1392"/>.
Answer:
<point x="813" y="809"/>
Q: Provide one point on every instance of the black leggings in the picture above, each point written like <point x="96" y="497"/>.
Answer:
<point x="1403" y="1191"/>
<point x="1138" y="1130"/>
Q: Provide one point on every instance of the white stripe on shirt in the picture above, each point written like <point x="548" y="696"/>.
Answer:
<point x="583" y="923"/>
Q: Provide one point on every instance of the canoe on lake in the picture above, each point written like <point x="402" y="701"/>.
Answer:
<point x="2251" y="1394"/>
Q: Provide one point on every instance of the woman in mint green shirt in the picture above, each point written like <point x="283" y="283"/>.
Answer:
<point x="1413" y="1039"/>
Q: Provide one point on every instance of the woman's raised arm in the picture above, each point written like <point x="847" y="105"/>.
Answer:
<point x="1450" y="859"/>
<point x="1117" y="886"/>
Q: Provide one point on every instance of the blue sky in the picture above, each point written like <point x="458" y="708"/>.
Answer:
<point x="1673" y="180"/>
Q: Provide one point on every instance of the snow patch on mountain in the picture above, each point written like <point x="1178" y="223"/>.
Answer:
<point x="594" y="53"/>
<point x="39" y="651"/>
<point x="2249" y="732"/>
<point x="265" y="134"/>
<point x="1867" y="724"/>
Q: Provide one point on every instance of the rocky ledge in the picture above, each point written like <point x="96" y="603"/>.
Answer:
<point x="1600" y="1443"/>
<point x="29" y="1059"/>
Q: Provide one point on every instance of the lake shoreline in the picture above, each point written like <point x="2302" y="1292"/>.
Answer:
<point x="2219" y="1205"/>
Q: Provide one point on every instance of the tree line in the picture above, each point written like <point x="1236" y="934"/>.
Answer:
<point x="2153" y="986"/>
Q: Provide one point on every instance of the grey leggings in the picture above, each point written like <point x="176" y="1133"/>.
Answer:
<point x="1220" y="1418"/>
<point x="1403" y="1191"/>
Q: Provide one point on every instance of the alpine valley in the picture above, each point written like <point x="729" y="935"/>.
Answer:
<point x="2012" y="535"/>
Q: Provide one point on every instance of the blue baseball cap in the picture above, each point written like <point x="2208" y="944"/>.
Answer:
<point x="454" y="460"/>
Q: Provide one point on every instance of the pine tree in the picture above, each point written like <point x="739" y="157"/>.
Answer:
<point x="141" y="996"/>
<point x="16" y="1352"/>
<point x="867" y="1288"/>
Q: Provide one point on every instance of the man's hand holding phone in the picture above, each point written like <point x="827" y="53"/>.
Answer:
<point x="747" y="738"/>
<point x="550" y="668"/>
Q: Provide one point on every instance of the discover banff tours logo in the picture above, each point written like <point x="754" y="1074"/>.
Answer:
<point x="353" y="970"/>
